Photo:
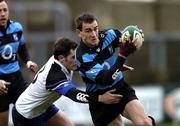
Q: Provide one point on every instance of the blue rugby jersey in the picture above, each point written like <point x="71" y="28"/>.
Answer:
<point x="99" y="66"/>
<point x="11" y="44"/>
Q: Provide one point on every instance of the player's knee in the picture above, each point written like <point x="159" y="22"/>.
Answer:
<point x="152" y="120"/>
<point x="144" y="122"/>
<point x="116" y="123"/>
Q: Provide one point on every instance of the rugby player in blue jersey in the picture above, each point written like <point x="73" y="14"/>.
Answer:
<point x="11" y="44"/>
<point x="35" y="105"/>
<point x="101" y="70"/>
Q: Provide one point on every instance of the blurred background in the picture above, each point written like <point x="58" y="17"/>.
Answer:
<point x="157" y="64"/>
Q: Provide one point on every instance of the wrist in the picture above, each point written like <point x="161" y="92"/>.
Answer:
<point x="29" y="63"/>
<point x="122" y="55"/>
<point x="100" y="98"/>
<point x="93" y="98"/>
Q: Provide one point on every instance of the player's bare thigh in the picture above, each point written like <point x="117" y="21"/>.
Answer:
<point x="4" y="118"/>
<point x="117" y="122"/>
<point x="59" y="119"/>
<point x="134" y="111"/>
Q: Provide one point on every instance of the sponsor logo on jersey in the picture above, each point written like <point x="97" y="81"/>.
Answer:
<point x="115" y="74"/>
<point x="7" y="52"/>
<point x="82" y="97"/>
<point x="98" y="49"/>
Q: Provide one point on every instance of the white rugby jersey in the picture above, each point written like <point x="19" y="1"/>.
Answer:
<point x="51" y="81"/>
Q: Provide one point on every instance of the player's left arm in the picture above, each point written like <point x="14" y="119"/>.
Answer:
<point x="24" y="55"/>
<point x="68" y="89"/>
<point x="108" y="97"/>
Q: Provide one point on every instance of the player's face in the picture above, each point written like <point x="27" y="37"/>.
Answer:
<point x="70" y="61"/>
<point x="89" y="34"/>
<point x="4" y="13"/>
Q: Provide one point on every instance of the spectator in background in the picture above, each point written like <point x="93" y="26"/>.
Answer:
<point x="11" y="45"/>
<point x="35" y="105"/>
<point x="101" y="70"/>
<point x="172" y="104"/>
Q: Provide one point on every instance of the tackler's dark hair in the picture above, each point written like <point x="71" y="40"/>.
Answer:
<point x="62" y="46"/>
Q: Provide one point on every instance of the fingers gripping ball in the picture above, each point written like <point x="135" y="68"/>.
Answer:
<point x="133" y="34"/>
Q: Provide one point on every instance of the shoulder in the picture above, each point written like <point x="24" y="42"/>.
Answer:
<point x="16" y="25"/>
<point x="53" y="70"/>
<point x="109" y="32"/>
<point x="55" y="76"/>
<point x="81" y="50"/>
<point x="56" y="73"/>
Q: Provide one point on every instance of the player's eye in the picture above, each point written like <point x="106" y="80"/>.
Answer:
<point x="88" y="30"/>
<point x="73" y="57"/>
<point x="4" y="10"/>
<point x="96" y="29"/>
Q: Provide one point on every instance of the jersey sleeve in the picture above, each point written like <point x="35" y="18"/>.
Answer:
<point x="57" y="80"/>
<point x="62" y="87"/>
<point x="22" y="49"/>
<point x="23" y="53"/>
<point x="21" y="36"/>
<point x="68" y="89"/>
<point x="81" y="96"/>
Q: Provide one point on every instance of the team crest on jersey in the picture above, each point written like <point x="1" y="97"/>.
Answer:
<point x="15" y="36"/>
<point x="98" y="49"/>
<point x="102" y="35"/>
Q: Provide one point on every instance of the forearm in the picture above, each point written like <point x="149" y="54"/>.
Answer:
<point x="81" y="96"/>
<point x="23" y="53"/>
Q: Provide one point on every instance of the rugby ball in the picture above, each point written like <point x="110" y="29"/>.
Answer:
<point x="132" y="32"/>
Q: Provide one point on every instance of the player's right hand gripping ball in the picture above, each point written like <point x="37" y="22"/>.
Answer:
<point x="133" y="34"/>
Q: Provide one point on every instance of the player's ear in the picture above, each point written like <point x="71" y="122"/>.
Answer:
<point x="61" y="58"/>
<point x="78" y="32"/>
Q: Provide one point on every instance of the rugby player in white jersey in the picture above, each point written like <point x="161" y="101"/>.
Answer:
<point x="35" y="105"/>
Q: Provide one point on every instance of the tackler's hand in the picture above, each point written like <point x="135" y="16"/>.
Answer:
<point x="110" y="97"/>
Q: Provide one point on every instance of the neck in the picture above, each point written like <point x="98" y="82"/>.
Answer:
<point x="3" y="27"/>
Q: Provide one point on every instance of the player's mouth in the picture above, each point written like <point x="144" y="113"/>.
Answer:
<point x="3" y="21"/>
<point x="94" y="40"/>
<point x="74" y="67"/>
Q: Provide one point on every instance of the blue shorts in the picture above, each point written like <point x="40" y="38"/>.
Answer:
<point x="41" y="120"/>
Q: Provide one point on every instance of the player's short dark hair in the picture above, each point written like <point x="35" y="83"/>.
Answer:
<point x="3" y="0"/>
<point x="62" y="46"/>
<point x="84" y="18"/>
